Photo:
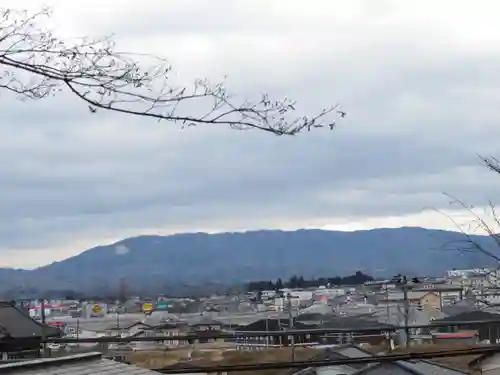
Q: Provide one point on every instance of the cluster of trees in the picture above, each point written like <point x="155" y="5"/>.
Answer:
<point x="300" y="282"/>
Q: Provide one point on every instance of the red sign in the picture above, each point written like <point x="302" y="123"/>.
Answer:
<point x="56" y="324"/>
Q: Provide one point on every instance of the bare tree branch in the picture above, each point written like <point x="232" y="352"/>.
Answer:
<point x="470" y="243"/>
<point x="34" y="64"/>
<point x="478" y="222"/>
<point x="491" y="163"/>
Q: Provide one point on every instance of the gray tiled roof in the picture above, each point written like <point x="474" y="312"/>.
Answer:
<point x="338" y="353"/>
<point x="459" y="307"/>
<point x="353" y="352"/>
<point x="413" y="367"/>
<point x="426" y="367"/>
<point x="78" y="364"/>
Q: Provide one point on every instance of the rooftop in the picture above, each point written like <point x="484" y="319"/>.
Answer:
<point x="15" y="323"/>
<point x="81" y="364"/>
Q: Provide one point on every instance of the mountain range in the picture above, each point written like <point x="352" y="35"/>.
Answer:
<point x="159" y="263"/>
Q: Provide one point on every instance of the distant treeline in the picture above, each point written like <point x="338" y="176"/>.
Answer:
<point x="300" y="282"/>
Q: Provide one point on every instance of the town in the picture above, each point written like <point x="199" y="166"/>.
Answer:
<point x="460" y="308"/>
<point x="235" y="187"/>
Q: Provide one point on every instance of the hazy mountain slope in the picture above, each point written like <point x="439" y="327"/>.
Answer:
<point x="154" y="262"/>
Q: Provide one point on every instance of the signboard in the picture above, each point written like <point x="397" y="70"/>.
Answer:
<point x="96" y="308"/>
<point x="163" y="305"/>
<point x="57" y="324"/>
<point x="147" y="307"/>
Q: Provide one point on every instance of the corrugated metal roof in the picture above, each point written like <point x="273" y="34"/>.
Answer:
<point x="78" y="364"/>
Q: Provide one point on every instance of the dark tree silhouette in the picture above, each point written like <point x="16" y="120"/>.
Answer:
<point x="300" y="282"/>
<point x="35" y="63"/>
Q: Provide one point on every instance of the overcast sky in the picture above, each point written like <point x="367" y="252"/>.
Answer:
<point x="419" y="80"/>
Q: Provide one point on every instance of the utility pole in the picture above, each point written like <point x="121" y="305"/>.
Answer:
<point x="290" y="323"/>
<point x="405" y="285"/>
<point x="387" y="303"/>
<point x="267" y="329"/>
<point x="42" y="318"/>
<point x="77" y="330"/>
<point x="407" y="312"/>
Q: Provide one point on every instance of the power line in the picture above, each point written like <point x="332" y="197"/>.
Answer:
<point x="347" y="361"/>
<point x="243" y="334"/>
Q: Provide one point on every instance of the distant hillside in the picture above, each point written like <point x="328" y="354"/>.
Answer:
<point x="157" y="263"/>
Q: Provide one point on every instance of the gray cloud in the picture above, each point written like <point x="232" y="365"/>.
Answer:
<point x="420" y="108"/>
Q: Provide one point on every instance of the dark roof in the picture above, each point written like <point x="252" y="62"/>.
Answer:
<point x="352" y="323"/>
<point x="459" y="307"/>
<point x="15" y="323"/>
<point x="136" y="324"/>
<point x="475" y="315"/>
<point x="168" y="325"/>
<point x="265" y="325"/>
<point x="312" y="317"/>
<point x="300" y="325"/>
<point x="206" y="321"/>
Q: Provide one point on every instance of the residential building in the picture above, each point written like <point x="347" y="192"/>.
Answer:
<point x="475" y="278"/>
<point x="367" y="331"/>
<point x="205" y="327"/>
<point x="171" y="330"/>
<point x="486" y="324"/>
<point x="17" y="324"/>
<point x="416" y="298"/>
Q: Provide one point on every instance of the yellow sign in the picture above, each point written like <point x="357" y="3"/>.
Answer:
<point x="147" y="307"/>
<point x="96" y="308"/>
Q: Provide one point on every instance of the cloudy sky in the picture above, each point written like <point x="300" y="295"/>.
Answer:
<point x="419" y="80"/>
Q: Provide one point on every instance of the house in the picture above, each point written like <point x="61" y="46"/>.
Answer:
<point x="460" y="307"/>
<point x="313" y="318"/>
<point x="262" y="325"/>
<point x="170" y="330"/>
<point x="354" y="329"/>
<point x="416" y="298"/>
<point x="20" y="335"/>
<point x="487" y="364"/>
<point x="126" y="331"/>
<point x="474" y="278"/>
<point x="463" y="337"/>
<point x="485" y="323"/>
<point x="85" y="363"/>
<point x="206" y="324"/>
<point x="205" y="327"/>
